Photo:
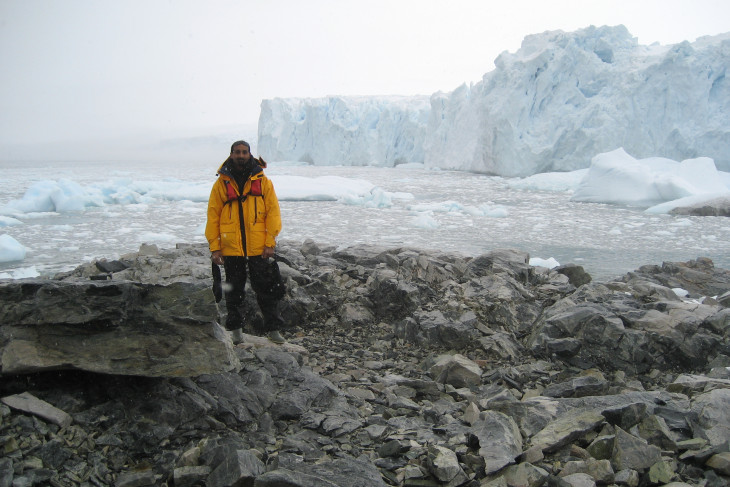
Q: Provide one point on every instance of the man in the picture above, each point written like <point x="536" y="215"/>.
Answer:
<point x="243" y="222"/>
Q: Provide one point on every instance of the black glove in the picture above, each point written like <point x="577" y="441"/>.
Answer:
<point x="217" y="287"/>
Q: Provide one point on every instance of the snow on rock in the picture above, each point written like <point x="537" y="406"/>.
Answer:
<point x="357" y="131"/>
<point x="551" y="106"/>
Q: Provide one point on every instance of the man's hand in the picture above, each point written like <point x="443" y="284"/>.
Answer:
<point x="217" y="257"/>
<point x="267" y="253"/>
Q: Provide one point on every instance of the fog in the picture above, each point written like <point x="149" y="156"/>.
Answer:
<point x="105" y="80"/>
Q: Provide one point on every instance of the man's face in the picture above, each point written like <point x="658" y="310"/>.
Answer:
<point x="240" y="155"/>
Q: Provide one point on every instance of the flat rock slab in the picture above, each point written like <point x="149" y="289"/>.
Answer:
<point x="115" y="327"/>
<point x="28" y="403"/>
<point x="255" y="341"/>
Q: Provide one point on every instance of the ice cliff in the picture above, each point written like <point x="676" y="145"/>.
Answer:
<point x="551" y="106"/>
<point x="358" y="131"/>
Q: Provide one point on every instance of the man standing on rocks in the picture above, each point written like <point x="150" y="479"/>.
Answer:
<point x="243" y="222"/>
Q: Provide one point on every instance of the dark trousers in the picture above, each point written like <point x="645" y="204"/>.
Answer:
<point x="266" y="283"/>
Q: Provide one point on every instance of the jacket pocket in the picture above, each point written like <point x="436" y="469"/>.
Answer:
<point x="230" y="239"/>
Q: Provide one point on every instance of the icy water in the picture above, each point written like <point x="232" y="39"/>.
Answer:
<point x="439" y="210"/>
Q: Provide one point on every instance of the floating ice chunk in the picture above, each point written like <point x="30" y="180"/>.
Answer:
<point x="550" y="181"/>
<point x="425" y="220"/>
<point x="441" y="207"/>
<point x="154" y="237"/>
<point x="7" y="221"/>
<point x="21" y="273"/>
<point x="325" y="188"/>
<point x="376" y="199"/>
<point x="10" y="249"/>
<point x="617" y="178"/>
<point x="549" y="263"/>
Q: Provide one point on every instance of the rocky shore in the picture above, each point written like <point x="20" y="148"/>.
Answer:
<point x="402" y="367"/>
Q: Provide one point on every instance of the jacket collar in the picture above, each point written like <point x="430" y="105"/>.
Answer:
<point x="257" y="172"/>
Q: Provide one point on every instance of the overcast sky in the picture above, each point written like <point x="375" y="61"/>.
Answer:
<point x="79" y="69"/>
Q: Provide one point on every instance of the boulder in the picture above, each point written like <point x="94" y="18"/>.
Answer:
<point x="457" y="371"/>
<point x="714" y="207"/>
<point x="498" y="439"/>
<point x="713" y="415"/>
<point x="112" y="327"/>
<point x="565" y="429"/>
<point x="633" y="326"/>
<point x="239" y="467"/>
<point x="631" y="452"/>
<point x="444" y="465"/>
<point x="575" y="273"/>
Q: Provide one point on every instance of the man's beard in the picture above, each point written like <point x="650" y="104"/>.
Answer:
<point x="242" y="165"/>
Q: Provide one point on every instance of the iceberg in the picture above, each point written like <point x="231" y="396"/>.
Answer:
<point x="617" y="178"/>
<point x="551" y="106"/>
<point x="10" y="249"/>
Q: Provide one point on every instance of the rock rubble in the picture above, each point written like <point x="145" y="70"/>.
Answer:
<point x="402" y="367"/>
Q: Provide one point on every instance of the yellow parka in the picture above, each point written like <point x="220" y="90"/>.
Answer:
<point x="261" y="217"/>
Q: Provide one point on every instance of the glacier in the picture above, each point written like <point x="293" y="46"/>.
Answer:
<point x="551" y="106"/>
<point x="357" y="131"/>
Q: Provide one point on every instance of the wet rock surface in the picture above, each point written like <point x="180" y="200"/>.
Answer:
<point x="715" y="207"/>
<point x="402" y="367"/>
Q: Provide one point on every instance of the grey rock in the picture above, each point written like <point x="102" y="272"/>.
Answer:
<point x="662" y="472"/>
<point x="713" y="412"/>
<point x="54" y="454"/>
<point x="393" y="448"/>
<point x="342" y="471"/>
<point x="601" y="448"/>
<point x="111" y="327"/>
<point x="502" y="345"/>
<point x="617" y="330"/>
<point x="715" y="207"/>
<point x="190" y="475"/>
<point x="720" y="463"/>
<point x="285" y="477"/>
<point x="697" y="276"/>
<point x="28" y="403"/>
<point x="498" y="439"/>
<point x="600" y="471"/>
<point x="149" y="249"/>
<point x="575" y="273"/>
<point x="471" y="414"/>
<point x="110" y="266"/>
<point x="627" y="477"/>
<point x="566" y="429"/>
<point x="692" y="384"/>
<point x="589" y="385"/>
<point x="631" y="452"/>
<point x="435" y="327"/>
<point x="525" y="475"/>
<point x="626" y="415"/>
<point x="655" y="431"/>
<point x="239" y="467"/>
<point x="136" y="479"/>
<point x="444" y="465"/>
<point x="456" y="370"/>
<point x="6" y="471"/>
<point x="580" y="480"/>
